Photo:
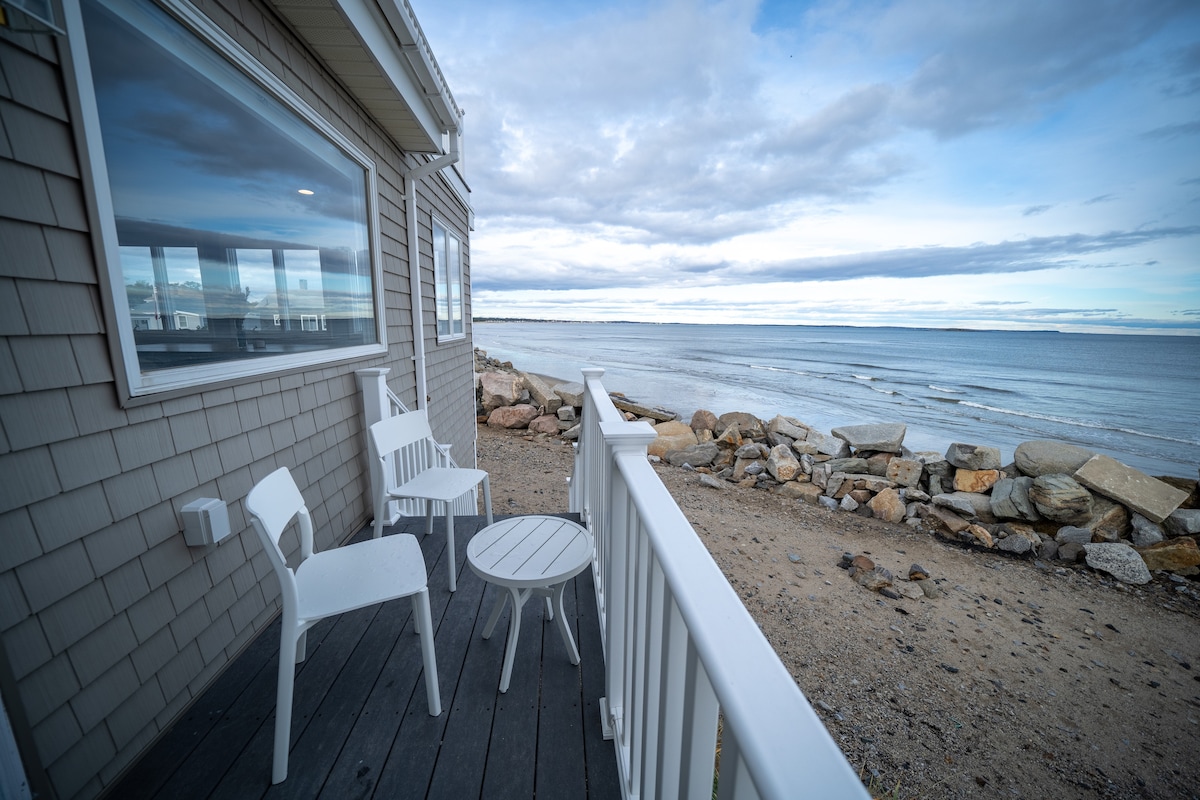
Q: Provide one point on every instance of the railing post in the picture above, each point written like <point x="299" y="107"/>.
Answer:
<point x="376" y="406"/>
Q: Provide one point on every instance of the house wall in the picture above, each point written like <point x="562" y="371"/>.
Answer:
<point x="109" y="624"/>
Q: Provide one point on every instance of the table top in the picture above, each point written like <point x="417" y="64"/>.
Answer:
<point x="530" y="551"/>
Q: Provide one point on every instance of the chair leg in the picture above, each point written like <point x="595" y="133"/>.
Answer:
<point x="450" y="547"/>
<point x="433" y="694"/>
<point x="487" y="498"/>
<point x="283" y="706"/>
<point x="380" y="510"/>
<point x="428" y="517"/>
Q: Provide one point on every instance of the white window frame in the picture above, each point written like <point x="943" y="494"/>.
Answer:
<point x="131" y="379"/>
<point x="447" y="290"/>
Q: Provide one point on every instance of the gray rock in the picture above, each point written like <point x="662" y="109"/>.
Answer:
<point x="829" y="445"/>
<point x="1010" y="499"/>
<point x="1060" y="498"/>
<point x="827" y="502"/>
<point x="643" y="411"/>
<point x="752" y="450"/>
<point x="711" y="482"/>
<point x="1069" y="533"/>
<point x="848" y="503"/>
<point x="754" y="468"/>
<point x="904" y="471"/>
<point x="571" y="394"/>
<point x="783" y="464"/>
<point x="747" y="424"/>
<point x="914" y="495"/>
<point x="497" y="389"/>
<point x="968" y="504"/>
<point x="973" y="456"/>
<point x="887" y="437"/>
<point x="1071" y="551"/>
<point x="1042" y="457"/>
<point x="855" y="466"/>
<point x="1015" y="543"/>
<point x="1117" y="559"/>
<point x="794" y="429"/>
<point x="935" y="464"/>
<point x="698" y="455"/>
<point x="1048" y="549"/>
<point x="541" y="393"/>
<point x="1183" y="522"/>
<point x="774" y="438"/>
<point x="1145" y="532"/>
<point x="1148" y="496"/>
<point x="565" y="413"/>
<point x="704" y="420"/>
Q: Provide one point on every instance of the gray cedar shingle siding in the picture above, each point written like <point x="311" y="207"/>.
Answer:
<point x="110" y="624"/>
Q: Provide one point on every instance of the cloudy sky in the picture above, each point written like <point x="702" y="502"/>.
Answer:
<point x="921" y="163"/>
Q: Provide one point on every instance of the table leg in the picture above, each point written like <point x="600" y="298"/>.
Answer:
<point x="501" y="597"/>
<point x="514" y="632"/>
<point x="563" y="627"/>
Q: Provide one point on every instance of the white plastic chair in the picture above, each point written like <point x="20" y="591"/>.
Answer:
<point x="420" y="471"/>
<point x="329" y="583"/>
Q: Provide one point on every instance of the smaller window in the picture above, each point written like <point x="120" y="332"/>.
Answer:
<point x="447" y="276"/>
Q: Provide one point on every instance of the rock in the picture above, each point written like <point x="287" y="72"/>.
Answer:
<point x="930" y="589"/>
<point x="546" y="423"/>
<point x="855" y="466"/>
<point x="646" y="412"/>
<point x="518" y="416"/>
<point x="571" y="393"/>
<point x="1058" y="497"/>
<point x="1183" y="522"/>
<point x="943" y="519"/>
<point x="697" y="455"/>
<point x="873" y="579"/>
<point x="711" y="482"/>
<point x="1109" y="522"/>
<point x="1010" y="499"/>
<point x="860" y="562"/>
<point x="913" y="495"/>
<point x="671" y="436"/>
<point x="1016" y="543"/>
<point x="753" y="468"/>
<point x="877" y="463"/>
<point x="1148" y="496"/>
<point x="498" y="389"/>
<point x="808" y="492"/>
<point x="977" y="481"/>
<point x="747" y="424"/>
<point x="1041" y="457"/>
<point x="541" y="393"/>
<point x="1071" y="551"/>
<point x="972" y="456"/>
<point x="887" y="505"/>
<point x="967" y="503"/>
<point x="704" y="420"/>
<point x="1048" y="549"/>
<point x="848" y="503"/>
<point x="910" y="591"/>
<point x="565" y="413"/>
<point x="1119" y="560"/>
<point x="904" y="471"/>
<point x="572" y="434"/>
<point x="884" y="436"/>
<point x="1145" y="532"/>
<point x="829" y="445"/>
<point x="783" y="464"/>
<point x="981" y="535"/>
<point x="805" y="448"/>
<point x="827" y="502"/>
<point x="1069" y="533"/>
<point x="794" y="429"/>
<point x="918" y="573"/>
<point x="1176" y="555"/>
<point x="871" y="483"/>
<point x="730" y="437"/>
<point x="752" y="450"/>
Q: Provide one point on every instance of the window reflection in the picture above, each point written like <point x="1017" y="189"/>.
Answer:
<point x="222" y="256"/>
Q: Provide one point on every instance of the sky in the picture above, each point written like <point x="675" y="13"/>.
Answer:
<point x="925" y="163"/>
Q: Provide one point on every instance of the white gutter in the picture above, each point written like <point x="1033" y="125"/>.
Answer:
<point x="411" y="178"/>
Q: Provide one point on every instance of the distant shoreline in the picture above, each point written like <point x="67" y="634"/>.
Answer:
<point x="528" y="321"/>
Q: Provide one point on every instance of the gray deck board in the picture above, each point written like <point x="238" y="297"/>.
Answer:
<point x="360" y="721"/>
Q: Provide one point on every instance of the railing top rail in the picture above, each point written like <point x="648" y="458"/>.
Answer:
<point x="781" y="738"/>
<point x="605" y="410"/>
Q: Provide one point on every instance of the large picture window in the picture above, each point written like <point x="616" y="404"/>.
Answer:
<point x="447" y="275"/>
<point x="243" y="222"/>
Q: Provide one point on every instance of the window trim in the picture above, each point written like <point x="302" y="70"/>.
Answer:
<point x="437" y="221"/>
<point x="132" y="381"/>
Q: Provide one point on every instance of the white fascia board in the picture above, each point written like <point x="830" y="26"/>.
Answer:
<point x="375" y="32"/>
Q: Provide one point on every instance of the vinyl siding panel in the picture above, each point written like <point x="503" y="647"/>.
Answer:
<point x="118" y="623"/>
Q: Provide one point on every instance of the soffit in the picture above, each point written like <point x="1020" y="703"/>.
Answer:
<point x="377" y="50"/>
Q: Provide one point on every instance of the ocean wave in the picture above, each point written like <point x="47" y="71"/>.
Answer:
<point x="1079" y="423"/>
<point x="866" y="377"/>
<point x="777" y="369"/>
<point x="882" y="391"/>
<point x="990" y="389"/>
<point x="944" y="389"/>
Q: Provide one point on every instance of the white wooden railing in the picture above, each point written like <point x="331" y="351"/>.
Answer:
<point x="680" y="649"/>
<point x="379" y="402"/>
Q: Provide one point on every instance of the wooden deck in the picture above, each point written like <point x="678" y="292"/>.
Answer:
<point x="361" y="726"/>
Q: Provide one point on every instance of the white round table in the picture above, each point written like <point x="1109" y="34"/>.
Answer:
<point x="526" y="556"/>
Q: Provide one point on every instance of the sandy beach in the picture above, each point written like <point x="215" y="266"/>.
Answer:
<point x="1020" y="679"/>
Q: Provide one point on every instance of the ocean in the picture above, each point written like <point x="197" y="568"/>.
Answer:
<point x="1135" y="398"/>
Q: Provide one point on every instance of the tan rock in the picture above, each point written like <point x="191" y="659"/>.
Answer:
<point x="808" y="492"/>
<point x="541" y="393"/>
<point x="498" y="389"/>
<point x="730" y="436"/>
<point x="1173" y="555"/>
<point x="1109" y="522"/>
<point x="704" y="420"/>
<point x="547" y="423"/>
<point x="975" y="480"/>
<point x="782" y="463"/>
<point x="981" y="535"/>
<point x="1148" y="496"/>
<point x="673" y="435"/>
<point x="887" y="505"/>
<point x="943" y="518"/>
<point x="518" y="416"/>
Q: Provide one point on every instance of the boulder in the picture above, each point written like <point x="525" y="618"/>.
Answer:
<point x="973" y="456"/>
<point x="546" y="423"/>
<point x="1010" y="499"/>
<point x="804" y="448"/>
<point x="649" y="413"/>
<point x="704" y="420"/>
<point x="887" y="437"/>
<point x="783" y="464"/>
<point x="792" y="428"/>
<point x="942" y="519"/>
<point x="981" y="535"/>
<point x="1109" y="522"/>
<point x="1069" y="533"/>
<point x="829" y="445"/>
<point x="565" y="413"/>
<point x="1144" y="532"/>
<point x="697" y="455"/>
<point x="1042" y="457"/>
<point x="671" y="436"/>
<point x="571" y="393"/>
<point x="497" y="389"/>
<point x="518" y="416"/>
<point x="807" y="492"/>
<point x="1176" y="555"/>
<point x="1183" y="522"/>
<point x="904" y="471"/>
<point x="730" y="436"/>
<point x="1058" y="497"/>
<point x="877" y="463"/>
<point x="857" y="466"/>
<point x="746" y="423"/>
<point x="1148" y="496"/>
<point x="541" y="393"/>
<point x="753" y="450"/>
<point x="975" y="480"/>
<point x="1117" y="559"/>
<point x="887" y="505"/>
<point x="968" y="504"/>
<point x="1016" y="543"/>
<point x="871" y="483"/>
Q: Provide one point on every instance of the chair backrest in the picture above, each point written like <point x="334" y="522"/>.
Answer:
<point x="410" y="438"/>
<point x="273" y="503"/>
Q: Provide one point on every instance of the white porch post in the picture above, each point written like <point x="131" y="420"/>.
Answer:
<point x="377" y="406"/>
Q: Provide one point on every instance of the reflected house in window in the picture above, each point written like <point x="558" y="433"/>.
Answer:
<point x="218" y="215"/>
